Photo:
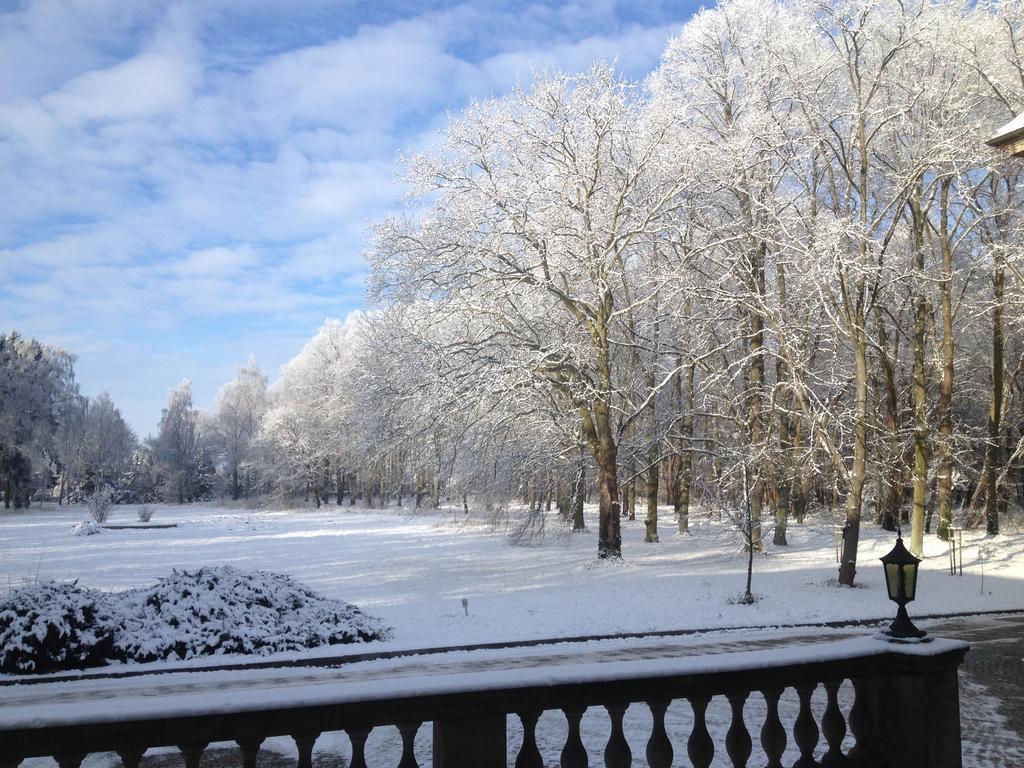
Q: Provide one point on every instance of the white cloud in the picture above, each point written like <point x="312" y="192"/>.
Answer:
<point x="104" y="245"/>
<point x="48" y="42"/>
<point x="375" y="76"/>
<point x="156" y="82"/>
<point x="326" y="259"/>
<point x="148" y="85"/>
<point x="32" y="126"/>
<point x="180" y="180"/>
<point x="220" y="262"/>
<point x="636" y="50"/>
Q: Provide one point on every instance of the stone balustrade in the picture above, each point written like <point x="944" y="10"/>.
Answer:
<point x="903" y="711"/>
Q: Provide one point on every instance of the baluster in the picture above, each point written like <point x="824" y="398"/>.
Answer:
<point x="130" y="758"/>
<point x="358" y="738"/>
<point x="616" y="751"/>
<point x="773" y="733"/>
<point x="737" y="740"/>
<point x="250" y="746"/>
<point x="862" y="726"/>
<point x="833" y="725"/>
<point x="659" y="748"/>
<point x="70" y="759"/>
<point x="574" y="754"/>
<point x="192" y="752"/>
<point x="529" y="755"/>
<point x="408" y="731"/>
<point x="304" y="742"/>
<point x="700" y="747"/>
<point x="805" y="730"/>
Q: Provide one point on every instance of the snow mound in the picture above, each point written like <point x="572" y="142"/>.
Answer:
<point x="225" y="610"/>
<point x="49" y="626"/>
<point x="87" y="528"/>
<point x="213" y="610"/>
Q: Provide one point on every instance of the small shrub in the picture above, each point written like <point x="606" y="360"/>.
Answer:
<point x="145" y="513"/>
<point x="100" y="505"/>
<point x="86" y="528"/>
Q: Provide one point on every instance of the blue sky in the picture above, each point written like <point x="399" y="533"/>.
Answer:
<point x="190" y="184"/>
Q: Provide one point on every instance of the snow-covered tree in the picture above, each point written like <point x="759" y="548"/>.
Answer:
<point x="788" y="258"/>
<point x="178" y="448"/>
<point x="35" y="383"/>
<point x="235" y="424"/>
<point x="107" y="445"/>
<point x="307" y="420"/>
<point x="540" y="207"/>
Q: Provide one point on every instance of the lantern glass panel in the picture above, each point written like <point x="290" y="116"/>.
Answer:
<point x="909" y="581"/>
<point x="892" y="580"/>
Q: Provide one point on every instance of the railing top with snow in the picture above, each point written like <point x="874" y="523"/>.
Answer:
<point x="201" y="707"/>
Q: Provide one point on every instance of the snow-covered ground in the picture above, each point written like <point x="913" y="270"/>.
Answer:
<point x="413" y="571"/>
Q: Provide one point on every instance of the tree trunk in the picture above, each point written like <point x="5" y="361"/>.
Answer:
<point x="757" y="398"/>
<point x="748" y="596"/>
<point x="785" y="441"/>
<point x="684" y="447"/>
<point x="921" y="438"/>
<point x="944" y="471"/>
<point x="651" y="521"/>
<point x="891" y="470"/>
<point x="992" y="448"/>
<point x="597" y="430"/>
<point x="801" y="489"/>
<point x="785" y="481"/>
<point x="854" y="496"/>
<point x="609" y="543"/>
<point x="578" y="494"/>
<point x="856" y="313"/>
<point x="653" y="453"/>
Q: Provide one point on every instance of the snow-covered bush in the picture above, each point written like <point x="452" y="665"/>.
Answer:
<point x="145" y="513"/>
<point x="225" y="610"/>
<point x="48" y="626"/>
<point x="86" y="528"/>
<point x="187" y="614"/>
<point x="100" y="505"/>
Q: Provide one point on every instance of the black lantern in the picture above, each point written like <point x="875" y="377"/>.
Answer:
<point x="901" y="581"/>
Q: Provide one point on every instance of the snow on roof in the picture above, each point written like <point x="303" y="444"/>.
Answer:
<point x="1008" y="132"/>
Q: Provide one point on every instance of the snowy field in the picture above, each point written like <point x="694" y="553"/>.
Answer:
<point x="413" y="571"/>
